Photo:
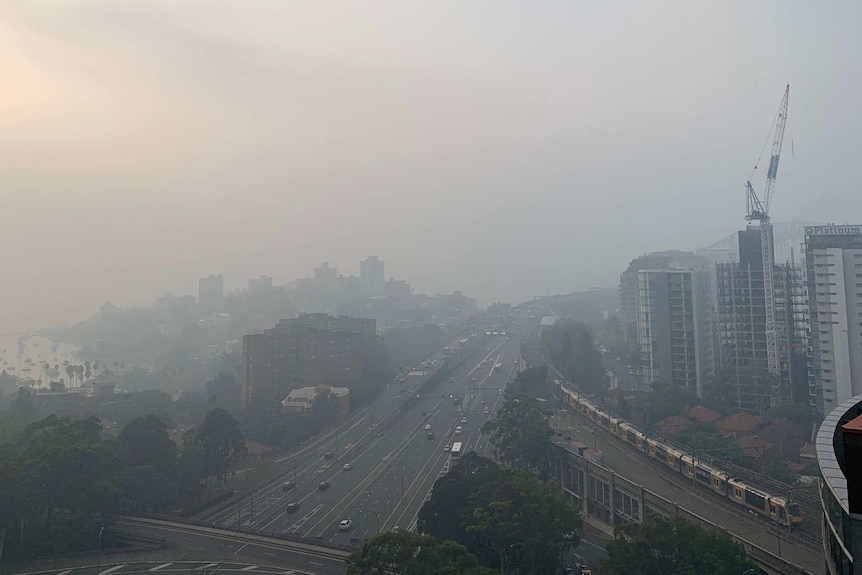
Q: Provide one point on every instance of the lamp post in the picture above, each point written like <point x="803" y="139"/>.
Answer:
<point x="99" y="552"/>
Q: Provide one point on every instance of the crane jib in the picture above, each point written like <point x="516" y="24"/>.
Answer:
<point x="773" y="167"/>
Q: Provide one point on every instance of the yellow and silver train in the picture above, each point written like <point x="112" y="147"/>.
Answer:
<point x="773" y="507"/>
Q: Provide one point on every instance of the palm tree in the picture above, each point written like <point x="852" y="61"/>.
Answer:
<point x="88" y="372"/>
<point x="70" y="371"/>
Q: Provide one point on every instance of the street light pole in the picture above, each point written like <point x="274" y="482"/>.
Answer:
<point x="99" y="552"/>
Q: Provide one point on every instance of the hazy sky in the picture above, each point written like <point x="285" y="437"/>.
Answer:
<point x="505" y="148"/>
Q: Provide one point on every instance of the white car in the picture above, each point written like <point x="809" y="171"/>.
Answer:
<point x="347" y="467"/>
<point x="446" y="448"/>
<point x="345" y="524"/>
<point x="427" y="427"/>
<point x="487" y="411"/>
<point x="464" y="421"/>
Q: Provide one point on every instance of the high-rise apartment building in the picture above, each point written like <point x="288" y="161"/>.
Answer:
<point x="211" y="291"/>
<point x="372" y="276"/>
<point x="306" y="351"/>
<point x="833" y="268"/>
<point x="675" y="327"/>
<point x="742" y="340"/>
<point x="629" y="278"/>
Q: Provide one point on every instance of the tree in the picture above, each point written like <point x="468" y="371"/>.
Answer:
<point x="59" y="479"/>
<point x="569" y="346"/>
<point x="149" y="463"/>
<point x="224" y="391"/>
<point x="407" y="553"/>
<point x="324" y="409"/>
<point x="521" y="435"/>
<point x="502" y="516"/>
<point x="220" y="441"/>
<point x="530" y="382"/>
<point x="673" y="546"/>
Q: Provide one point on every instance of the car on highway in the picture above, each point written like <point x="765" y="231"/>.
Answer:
<point x="473" y="379"/>
<point x="323" y="485"/>
<point x="292" y="507"/>
<point x="430" y="435"/>
<point x="327" y="455"/>
<point x="345" y="524"/>
<point x="288" y="485"/>
<point x="486" y="411"/>
<point x="458" y="430"/>
<point x="427" y="427"/>
<point x="446" y="448"/>
<point x="464" y="420"/>
<point x="347" y="467"/>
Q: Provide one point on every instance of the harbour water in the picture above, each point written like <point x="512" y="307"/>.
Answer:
<point x="25" y="356"/>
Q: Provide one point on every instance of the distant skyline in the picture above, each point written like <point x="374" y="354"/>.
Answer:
<point x="504" y="149"/>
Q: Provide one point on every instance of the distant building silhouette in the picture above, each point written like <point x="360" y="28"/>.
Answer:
<point x="372" y="276"/>
<point x="211" y="291"/>
<point x="263" y="284"/>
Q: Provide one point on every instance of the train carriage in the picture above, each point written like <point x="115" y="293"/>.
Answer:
<point x="777" y="509"/>
<point x="603" y="419"/>
<point x="674" y="458"/>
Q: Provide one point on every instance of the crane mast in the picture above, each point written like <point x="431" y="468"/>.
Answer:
<point x="758" y="210"/>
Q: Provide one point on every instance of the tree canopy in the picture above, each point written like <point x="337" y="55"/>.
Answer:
<point x="665" y="546"/>
<point x="521" y="435"/>
<point x="569" y="346"/>
<point x="506" y="518"/>
<point x="407" y="553"/>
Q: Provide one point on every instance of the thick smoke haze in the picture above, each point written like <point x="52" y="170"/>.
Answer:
<point x="509" y="149"/>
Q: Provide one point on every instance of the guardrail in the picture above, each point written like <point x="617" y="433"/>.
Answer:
<point x="300" y="544"/>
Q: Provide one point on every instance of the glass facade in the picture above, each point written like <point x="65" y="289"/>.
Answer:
<point x="841" y="530"/>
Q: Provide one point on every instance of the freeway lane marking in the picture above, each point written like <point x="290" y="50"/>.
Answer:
<point x="112" y="569"/>
<point x="241" y="548"/>
<point x="162" y="566"/>
<point x="249" y="568"/>
<point x="66" y="572"/>
<point x="298" y="525"/>
<point x="209" y="565"/>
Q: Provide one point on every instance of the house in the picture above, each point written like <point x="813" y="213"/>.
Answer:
<point x="702" y="415"/>
<point x="301" y="400"/>
<point x="754" y="447"/>
<point x="672" y="425"/>
<point x="788" y="437"/>
<point x="739" y="424"/>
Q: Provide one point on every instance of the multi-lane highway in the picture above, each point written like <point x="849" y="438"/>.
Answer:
<point x="379" y="479"/>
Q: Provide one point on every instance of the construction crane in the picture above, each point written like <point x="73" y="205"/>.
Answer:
<point x="757" y="210"/>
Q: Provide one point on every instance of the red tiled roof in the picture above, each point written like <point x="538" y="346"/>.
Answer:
<point x="702" y="414"/>
<point x="673" y="424"/>
<point x="739" y="423"/>
<point x="854" y="426"/>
